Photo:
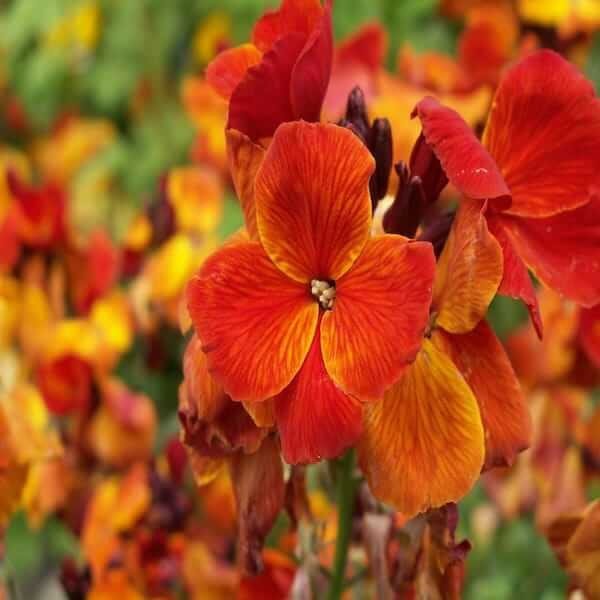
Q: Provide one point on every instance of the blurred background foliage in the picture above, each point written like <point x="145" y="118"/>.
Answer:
<point x="123" y="60"/>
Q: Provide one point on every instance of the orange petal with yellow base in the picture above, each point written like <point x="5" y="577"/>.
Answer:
<point x="423" y="444"/>
<point x="312" y="200"/>
<point x="379" y="315"/>
<point x="316" y="420"/>
<point x="244" y="157"/>
<point x="544" y="133"/>
<point x="481" y="359"/>
<point x="229" y="67"/>
<point x="256" y="325"/>
<point x="468" y="272"/>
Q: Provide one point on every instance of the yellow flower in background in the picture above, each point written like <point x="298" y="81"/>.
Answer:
<point x="78" y="30"/>
<point x="196" y="194"/>
<point x="211" y="35"/>
<point x="562" y="14"/>
<point x="139" y="233"/>
<point x="73" y="336"/>
<point x="208" y="112"/>
<point x="26" y="439"/>
<point x="9" y="309"/>
<point x="173" y="265"/>
<point x="112" y="319"/>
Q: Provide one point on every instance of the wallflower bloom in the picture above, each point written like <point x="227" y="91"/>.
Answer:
<point x="314" y="313"/>
<point x="282" y="75"/>
<point x="537" y="168"/>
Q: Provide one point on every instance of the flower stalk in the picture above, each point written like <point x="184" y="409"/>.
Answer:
<point x="345" y="497"/>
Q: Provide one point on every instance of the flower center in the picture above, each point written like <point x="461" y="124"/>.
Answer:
<point x="323" y="292"/>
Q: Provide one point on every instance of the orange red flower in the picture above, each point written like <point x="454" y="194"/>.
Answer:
<point x="537" y="172"/>
<point x="314" y="308"/>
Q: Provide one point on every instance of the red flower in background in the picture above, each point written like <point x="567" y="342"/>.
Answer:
<point x="537" y="167"/>
<point x="39" y="212"/>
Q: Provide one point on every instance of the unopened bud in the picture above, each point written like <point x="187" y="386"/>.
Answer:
<point x="356" y="112"/>
<point x="425" y="165"/>
<point x="381" y="147"/>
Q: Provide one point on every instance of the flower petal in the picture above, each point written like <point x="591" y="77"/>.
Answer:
<point x="229" y="68"/>
<point x="244" y="158"/>
<point x="259" y="494"/>
<point x="465" y="161"/>
<point x="423" y="444"/>
<point x="293" y="16"/>
<point x="255" y="323"/>
<point x="312" y="71"/>
<point x="563" y="251"/>
<point x="261" y="101"/>
<point x="483" y="362"/>
<point x="207" y="396"/>
<point x="516" y="282"/>
<point x="312" y="200"/>
<point x="544" y="133"/>
<point x="316" y="420"/>
<point x="468" y="272"/>
<point x="381" y="309"/>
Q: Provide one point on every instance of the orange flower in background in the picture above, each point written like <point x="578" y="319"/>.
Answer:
<point x="574" y="538"/>
<point x="123" y="428"/>
<point x="208" y="111"/>
<point x="282" y="75"/>
<point x="196" y="195"/>
<point x="537" y="168"/>
<point x="312" y="315"/>
<point x="458" y="408"/>
<point x="28" y="441"/>
<point x="71" y="145"/>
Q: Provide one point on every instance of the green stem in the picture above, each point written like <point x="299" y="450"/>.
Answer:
<point x="345" y="491"/>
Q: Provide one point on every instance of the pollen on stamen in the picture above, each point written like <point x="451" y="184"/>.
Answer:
<point x="323" y="292"/>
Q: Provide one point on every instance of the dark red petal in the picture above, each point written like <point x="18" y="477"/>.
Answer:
<point x="312" y="71"/>
<point x="261" y="101"/>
